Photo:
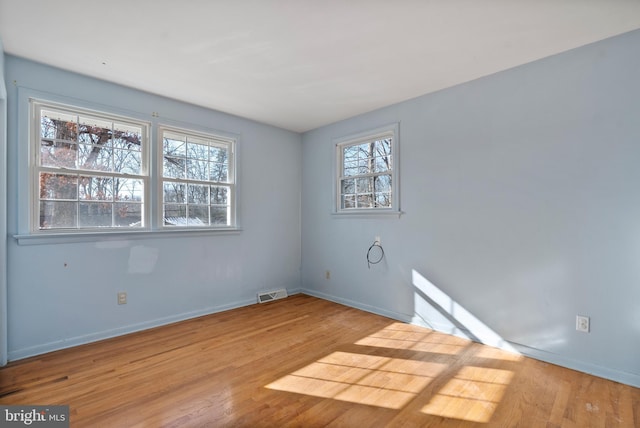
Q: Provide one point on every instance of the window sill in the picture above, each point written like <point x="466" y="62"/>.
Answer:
<point x="64" y="238"/>
<point x="366" y="214"/>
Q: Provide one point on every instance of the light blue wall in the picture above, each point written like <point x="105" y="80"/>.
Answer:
<point x="65" y="294"/>
<point x="521" y="201"/>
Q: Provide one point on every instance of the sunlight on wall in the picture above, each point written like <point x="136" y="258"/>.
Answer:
<point x="462" y="320"/>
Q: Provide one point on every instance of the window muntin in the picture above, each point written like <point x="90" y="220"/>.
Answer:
<point x="366" y="172"/>
<point x="89" y="171"/>
<point x="198" y="183"/>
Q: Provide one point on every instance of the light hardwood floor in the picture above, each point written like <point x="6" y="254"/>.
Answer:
<point x="307" y="362"/>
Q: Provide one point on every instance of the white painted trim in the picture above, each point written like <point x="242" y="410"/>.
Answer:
<point x="352" y="303"/>
<point x="229" y="140"/>
<point x="107" y="334"/>
<point x="36" y="107"/>
<point x="19" y="354"/>
<point x="627" y="378"/>
<point x="64" y="238"/>
<point x="27" y="233"/>
<point x="386" y="130"/>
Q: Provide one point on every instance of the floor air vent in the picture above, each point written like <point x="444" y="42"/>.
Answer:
<point x="272" y="295"/>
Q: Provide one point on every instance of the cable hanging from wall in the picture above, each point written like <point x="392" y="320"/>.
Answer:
<point x="375" y="253"/>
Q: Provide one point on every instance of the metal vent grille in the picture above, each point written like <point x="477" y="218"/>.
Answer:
<point x="272" y="295"/>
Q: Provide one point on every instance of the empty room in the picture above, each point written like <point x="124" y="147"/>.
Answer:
<point x="320" y="213"/>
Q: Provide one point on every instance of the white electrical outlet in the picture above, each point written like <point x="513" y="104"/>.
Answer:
<point x="327" y="274"/>
<point x="582" y="323"/>
<point x="122" y="298"/>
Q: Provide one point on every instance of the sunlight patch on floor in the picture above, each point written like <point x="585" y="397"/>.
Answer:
<point x="473" y="394"/>
<point x="496" y="354"/>
<point x="403" y="336"/>
<point x="363" y="379"/>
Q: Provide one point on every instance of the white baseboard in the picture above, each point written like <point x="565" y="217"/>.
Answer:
<point x="19" y="354"/>
<point x="632" y="379"/>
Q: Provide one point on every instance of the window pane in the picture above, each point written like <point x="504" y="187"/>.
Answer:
<point x="219" y="195"/>
<point x="349" y="201"/>
<point x="174" y="192"/>
<point x="198" y="216"/>
<point x="350" y="153"/>
<point x="365" y="167"/>
<point x="365" y="201"/>
<point x="57" y="153"/>
<point x="56" y="215"/>
<point x="365" y="150"/>
<point x="58" y="125"/>
<point x="127" y="137"/>
<point x="196" y="150"/>
<point x="382" y="163"/>
<point x="98" y="125"/>
<point x="128" y="189"/>
<point x="173" y="167"/>
<point x="95" y="188"/>
<point x="219" y="172"/>
<point x="175" y="215"/>
<point x="127" y="214"/>
<point x="348" y="186"/>
<point x="364" y="184"/>
<point x="198" y="194"/>
<point x="364" y="163"/>
<point x="127" y="161"/>
<point x="95" y="214"/>
<point x="382" y="183"/>
<point x="350" y="168"/>
<point x="100" y="138"/>
<point x="383" y="200"/>
<point x="58" y="186"/>
<point x="174" y="145"/>
<point x="383" y="147"/>
<point x="94" y="158"/>
<point x="218" y="154"/>
<point x="85" y="138"/>
<point x="197" y="170"/>
<point x="219" y="215"/>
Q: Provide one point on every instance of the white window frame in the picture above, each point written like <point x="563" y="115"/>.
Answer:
<point x="36" y="106"/>
<point x="384" y="132"/>
<point x="28" y="134"/>
<point x="214" y="139"/>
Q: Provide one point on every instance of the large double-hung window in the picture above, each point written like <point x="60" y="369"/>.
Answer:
<point x="93" y="172"/>
<point x="197" y="179"/>
<point x="89" y="170"/>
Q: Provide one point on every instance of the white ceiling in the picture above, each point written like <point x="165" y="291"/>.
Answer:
<point x="300" y="64"/>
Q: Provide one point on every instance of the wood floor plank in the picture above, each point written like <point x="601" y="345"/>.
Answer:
<point x="307" y="362"/>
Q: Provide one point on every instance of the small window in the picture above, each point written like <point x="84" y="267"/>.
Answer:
<point x="198" y="179"/>
<point x="367" y="172"/>
<point x="89" y="170"/>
